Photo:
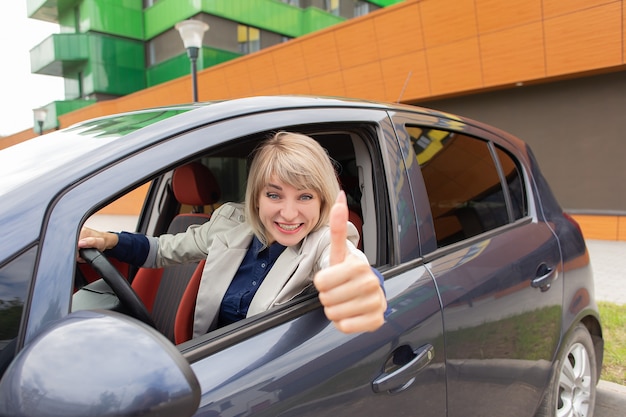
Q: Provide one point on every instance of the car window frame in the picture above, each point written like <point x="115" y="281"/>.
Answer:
<point x="105" y="183"/>
<point x="434" y="120"/>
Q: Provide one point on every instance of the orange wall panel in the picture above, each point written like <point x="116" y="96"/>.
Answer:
<point x="267" y="90"/>
<point x="329" y="84"/>
<point x="552" y="8"/>
<point x="357" y="42"/>
<point x="263" y="71"/>
<point x="623" y="33"/>
<point x="22" y="136"/>
<point x="297" y="87"/>
<point x="446" y="21"/>
<point x="366" y="81"/>
<point x="129" y="204"/>
<point x="320" y="54"/>
<point x="238" y="79"/>
<point x="398" y="33"/>
<point x="212" y="85"/>
<point x="174" y="92"/>
<point x="513" y="55"/>
<point x="454" y="67"/>
<point x="405" y="76"/>
<point x="585" y="40"/>
<point x="290" y="64"/>
<point x="494" y="15"/>
<point x="598" y="227"/>
<point x="621" y="228"/>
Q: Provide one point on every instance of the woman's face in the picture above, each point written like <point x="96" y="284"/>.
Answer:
<point x="287" y="213"/>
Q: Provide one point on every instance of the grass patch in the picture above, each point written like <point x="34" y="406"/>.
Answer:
<point x="613" y="318"/>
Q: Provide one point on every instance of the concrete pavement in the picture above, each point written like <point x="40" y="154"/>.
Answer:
<point x="610" y="400"/>
<point x="608" y="260"/>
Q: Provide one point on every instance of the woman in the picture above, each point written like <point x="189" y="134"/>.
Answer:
<point x="291" y="233"/>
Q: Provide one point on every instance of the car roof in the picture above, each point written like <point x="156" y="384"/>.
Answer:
<point x="107" y="136"/>
<point x="34" y="171"/>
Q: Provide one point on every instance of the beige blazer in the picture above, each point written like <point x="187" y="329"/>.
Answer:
<point x="224" y="241"/>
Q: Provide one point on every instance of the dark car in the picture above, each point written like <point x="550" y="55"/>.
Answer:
<point x="488" y="281"/>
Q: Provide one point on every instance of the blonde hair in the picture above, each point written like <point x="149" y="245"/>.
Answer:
<point x="294" y="159"/>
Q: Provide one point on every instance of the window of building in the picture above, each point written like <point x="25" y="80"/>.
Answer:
<point x="332" y="6"/>
<point x="361" y="8"/>
<point x="249" y="39"/>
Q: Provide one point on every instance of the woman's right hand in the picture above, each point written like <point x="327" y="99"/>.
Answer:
<point x="90" y="238"/>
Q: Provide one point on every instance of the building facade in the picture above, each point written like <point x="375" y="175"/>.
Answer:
<point x="110" y="48"/>
<point x="551" y="71"/>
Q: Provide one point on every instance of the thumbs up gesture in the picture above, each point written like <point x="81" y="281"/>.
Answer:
<point x="349" y="290"/>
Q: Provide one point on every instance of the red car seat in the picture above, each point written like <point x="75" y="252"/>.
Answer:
<point x="162" y="289"/>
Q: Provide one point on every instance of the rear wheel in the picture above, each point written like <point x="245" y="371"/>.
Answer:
<point x="573" y="388"/>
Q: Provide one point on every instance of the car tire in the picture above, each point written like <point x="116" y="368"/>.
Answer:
<point x="572" y="390"/>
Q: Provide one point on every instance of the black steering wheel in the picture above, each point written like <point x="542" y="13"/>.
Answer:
<point x="120" y="286"/>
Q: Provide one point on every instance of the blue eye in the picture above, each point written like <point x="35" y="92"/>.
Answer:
<point x="272" y="196"/>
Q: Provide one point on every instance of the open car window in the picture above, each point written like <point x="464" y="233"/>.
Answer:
<point x="156" y="207"/>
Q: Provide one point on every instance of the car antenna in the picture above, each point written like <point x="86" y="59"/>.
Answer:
<point x="408" y="77"/>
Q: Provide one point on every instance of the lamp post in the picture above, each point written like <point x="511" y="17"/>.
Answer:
<point x="192" y="32"/>
<point x="40" y="115"/>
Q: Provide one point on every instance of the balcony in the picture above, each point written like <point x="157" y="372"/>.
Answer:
<point x="48" y="10"/>
<point x="103" y="65"/>
<point x="60" y="54"/>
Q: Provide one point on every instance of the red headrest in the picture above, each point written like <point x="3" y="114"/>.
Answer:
<point x="195" y="185"/>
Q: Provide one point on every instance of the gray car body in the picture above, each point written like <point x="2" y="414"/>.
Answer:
<point x="450" y="307"/>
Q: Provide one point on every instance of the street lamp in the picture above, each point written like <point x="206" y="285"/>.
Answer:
<point x="192" y="32"/>
<point x="40" y="115"/>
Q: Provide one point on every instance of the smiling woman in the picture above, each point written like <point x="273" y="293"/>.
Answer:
<point x="291" y="188"/>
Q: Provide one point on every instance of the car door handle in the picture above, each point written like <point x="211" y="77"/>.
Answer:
<point x="401" y="378"/>
<point x="545" y="276"/>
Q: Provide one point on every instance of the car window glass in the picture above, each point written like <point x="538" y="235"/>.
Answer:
<point x="14" y="282"/>
<point x="462" y="182"/>
<point x="515" y="184"/>
<point x="402" y="168"/>
<point x="122" y="213"/>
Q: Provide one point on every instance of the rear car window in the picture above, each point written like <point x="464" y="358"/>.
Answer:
<point x="462" y="178"/>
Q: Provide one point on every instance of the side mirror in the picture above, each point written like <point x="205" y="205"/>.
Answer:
<point x="99" y="363"/>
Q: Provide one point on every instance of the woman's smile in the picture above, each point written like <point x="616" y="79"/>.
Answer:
<point x="287" y="213"/>
<point x="289" y="227"/>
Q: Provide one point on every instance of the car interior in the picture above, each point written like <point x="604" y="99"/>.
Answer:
<point x="187" y="194"/>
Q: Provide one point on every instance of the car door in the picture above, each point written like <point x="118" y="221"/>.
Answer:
<point x="496" y="265"/>
<point x="303" y="366"/>
<point x="288" y="361"/>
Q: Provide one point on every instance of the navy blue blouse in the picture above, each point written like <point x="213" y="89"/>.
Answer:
<point x="133" y="248"/>
<point x="253" y="269"/>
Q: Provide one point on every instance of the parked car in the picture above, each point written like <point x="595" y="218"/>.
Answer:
<point x="488" y="281"/>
